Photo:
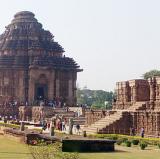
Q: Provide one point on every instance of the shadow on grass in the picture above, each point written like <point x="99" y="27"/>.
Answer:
<point x="116" y="151"/>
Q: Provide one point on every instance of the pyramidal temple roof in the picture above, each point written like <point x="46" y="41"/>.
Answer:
<point x="25" y="33"/>
<point x="26" y="44"/>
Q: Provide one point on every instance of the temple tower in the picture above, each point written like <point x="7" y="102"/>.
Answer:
<point x="33" y="65"/>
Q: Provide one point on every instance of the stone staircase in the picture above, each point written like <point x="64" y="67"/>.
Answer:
<point x="111" y="123"/>
<point x="104" y="122"/>
<point x="137" y="106"/>
<point x="79" y="120"/>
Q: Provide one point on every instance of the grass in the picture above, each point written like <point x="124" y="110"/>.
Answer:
<point x="10" y="149"/>
<point x="123" y="152"/>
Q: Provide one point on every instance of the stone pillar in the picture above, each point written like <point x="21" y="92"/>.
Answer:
<point x="157" y="124"/>
<point x="51" y="86"/>
<point x="152" y="89"/>
<point x="57" y="88"/>
<point x="70" y="91"/>
<point x="152" y="93"/>
<point x="74" y="92"/>
<point x="31" y="90"/>
<point x="157" y="92"/>
<point x="21" y="85"/>
<point x="70" y="126"/>
<point x="134" y="93"/>
<point x="22" y="126"/>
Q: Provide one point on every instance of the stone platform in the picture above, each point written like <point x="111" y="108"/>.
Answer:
<point x="87" y="145"/>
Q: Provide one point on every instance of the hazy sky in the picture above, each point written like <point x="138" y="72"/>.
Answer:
<point x="112" y="40"/>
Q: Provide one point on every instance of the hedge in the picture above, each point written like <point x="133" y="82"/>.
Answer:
<point x="10" y="125"/>
<point x="151" y="141"/>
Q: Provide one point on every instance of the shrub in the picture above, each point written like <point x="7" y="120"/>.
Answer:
<point x="158" y="145"/>
<point x="143" y="145"/>
<point x="52" y="151"/>
<point x="151" y="141"/>
<point x="119" y="142"/>
<point x="135" y="142"/>
<point x="10" y="125"/>
<point x="114" y="138"/>
<point x="128" y="143"/>
<point x="124" y="140"/>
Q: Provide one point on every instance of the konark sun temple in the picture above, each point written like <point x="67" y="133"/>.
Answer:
<point x="38" y="82"/>
<point x="33" y="67"/>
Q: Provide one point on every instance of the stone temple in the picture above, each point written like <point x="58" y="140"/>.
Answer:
<point x="33" y="66"/>
<point x="137" y="105"/>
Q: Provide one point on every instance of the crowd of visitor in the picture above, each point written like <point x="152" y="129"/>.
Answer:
<point x="60" y="124"/>
<point x="133" y="131"/>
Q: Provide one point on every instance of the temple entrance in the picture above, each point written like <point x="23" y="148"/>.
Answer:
<point x="41" y="91"/>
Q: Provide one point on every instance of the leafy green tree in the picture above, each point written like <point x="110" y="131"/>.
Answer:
<point x="151" y="73"/>
<point x="95" y="98"/>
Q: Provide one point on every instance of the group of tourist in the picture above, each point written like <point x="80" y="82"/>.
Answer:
<point x="133" y="132"/>
<point x="60" y="124"/>
<point x="55" y="102"/>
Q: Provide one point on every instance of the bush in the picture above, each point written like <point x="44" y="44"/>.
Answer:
<point x="143" y="145"/>
<point x="135" y="142"/>
<point x="10" y="125"/>
<point x="128" y="143"/>
<point x="119" y="142"/>
<point x="51" y="151"/>
<point x="124" y="140"/>
<point x="158" y="145"/>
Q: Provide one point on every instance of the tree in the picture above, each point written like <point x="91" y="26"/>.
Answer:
<point x="95" y="98"/>
<point x="151" y="73"/>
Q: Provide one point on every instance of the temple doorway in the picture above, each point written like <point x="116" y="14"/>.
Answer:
<point x="41" y="91"/>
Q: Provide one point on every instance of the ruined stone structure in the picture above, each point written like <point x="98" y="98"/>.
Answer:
<point x="33" y="66"/>
<point x="137" y="105"/>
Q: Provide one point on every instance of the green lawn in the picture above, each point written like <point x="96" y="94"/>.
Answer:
<point x="10" y="149"/>
<point x="123" y="152"/>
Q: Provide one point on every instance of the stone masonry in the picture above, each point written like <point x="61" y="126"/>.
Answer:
<point x="137" y="105"/>
<point x="33" y="66"/>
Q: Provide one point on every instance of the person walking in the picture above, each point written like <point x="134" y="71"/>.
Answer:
<point x="142" y="132"/>
<point x="132" y="131"/>
<point x="63" y="125"/>
<point x="78" y="129"/>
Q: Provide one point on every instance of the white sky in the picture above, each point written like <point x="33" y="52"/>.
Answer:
<point x="112" y="40"/>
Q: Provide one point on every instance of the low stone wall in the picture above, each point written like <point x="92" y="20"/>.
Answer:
<point x="28" y="137"/>
<point x="34" y="136"/>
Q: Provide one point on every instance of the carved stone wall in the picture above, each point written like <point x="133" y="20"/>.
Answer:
<point x="147" y="94"/>
<point x="149" y="120"/>
<point x="130" y="92"/>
